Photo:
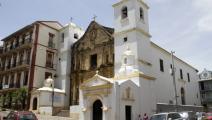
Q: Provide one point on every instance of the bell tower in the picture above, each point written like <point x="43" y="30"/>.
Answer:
<point x="132" y="30"/>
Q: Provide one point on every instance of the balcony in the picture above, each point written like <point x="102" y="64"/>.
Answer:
<point x="21" y="65"/>
<point x="207" y="100"/>
<point x="51" y="45"/>
<point x="14" y="65"/>
<point x="16" y="48"/>
<point x="49" y="65"/>
<point x="2" y="68"/>
<point x="8" y="66"/>
<point x="5" y="86"/>
<point x="17" y="85"/>
<point x="11" y="85"/>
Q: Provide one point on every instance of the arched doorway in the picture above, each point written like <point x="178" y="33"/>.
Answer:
<point x="182" y="91"/>
<point x="97" y="110"/>
<point x="35" y="103"/>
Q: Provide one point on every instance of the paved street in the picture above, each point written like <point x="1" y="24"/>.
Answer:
<point x="40" y="117"/>
<point x="44" y="117"/>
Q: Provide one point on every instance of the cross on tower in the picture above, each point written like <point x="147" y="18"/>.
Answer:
<point x="94" y="17"/>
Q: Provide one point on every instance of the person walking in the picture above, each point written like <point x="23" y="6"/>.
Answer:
<point x="145" y="117"/>
<point x="139" y="117"/>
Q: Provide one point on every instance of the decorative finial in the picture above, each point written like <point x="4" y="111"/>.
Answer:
<point x="97" y="72"/>
<point x="94" y="17"/>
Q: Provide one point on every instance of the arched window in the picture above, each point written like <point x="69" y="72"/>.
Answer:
<point x="141" y="13"/>
<point x="124" y="12"/>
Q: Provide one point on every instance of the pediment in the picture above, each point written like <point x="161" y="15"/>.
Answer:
<point x="96" y="82"/>
<point x="94" y="35"/>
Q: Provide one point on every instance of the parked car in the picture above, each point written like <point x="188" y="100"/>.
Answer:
<point x="166" y="116"/>
<point x="208" y="116"/>
<point x="20" y="115"/>
<point x="200" y="115"/>
<point x="188" y="115"/>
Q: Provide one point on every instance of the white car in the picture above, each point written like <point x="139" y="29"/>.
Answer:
<point x="167" y="116"/>
<point x="188" y="115"/>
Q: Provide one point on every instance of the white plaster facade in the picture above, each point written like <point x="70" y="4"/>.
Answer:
<point x="139" y="81"/>
<point x="60" y="71"/>
<point x="68" y="35"/>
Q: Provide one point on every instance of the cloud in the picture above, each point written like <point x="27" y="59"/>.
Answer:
<point x="204" y="7"/>
<point x="185" y="27"/>
<point x="205" y="23"/>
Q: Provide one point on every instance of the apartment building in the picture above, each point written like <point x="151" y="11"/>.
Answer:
<point x="28" y="56"/>
<point x="205" y="85"/>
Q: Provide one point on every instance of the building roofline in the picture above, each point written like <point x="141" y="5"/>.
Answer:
<point x="174" y="56"/>
<point x="27" y="27"/>
<point x="18" y="31"/>
<point x="50" y="21"/>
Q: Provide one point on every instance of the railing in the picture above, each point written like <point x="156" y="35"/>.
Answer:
<point x="50" y="65"/>
<point x="8" y="66"/>
<point x="14" y="65"/>
<point x="17" y="44"/>
<point x="17" y="85"/>
<point x="2" y="68"/>
<point x="5" y="86"/>
<point x="207" y="99"/>
<point x="28" y="40"/>
<point x="11" y="85"/>
<point x="51" y="45"/>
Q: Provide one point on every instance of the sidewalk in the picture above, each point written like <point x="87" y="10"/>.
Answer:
<point x="45" y="117"/>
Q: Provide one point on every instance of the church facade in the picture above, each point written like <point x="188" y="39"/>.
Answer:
<point x="103" y="73"/>
<point x="94" y="51"/>
<point x="142" y="76"/>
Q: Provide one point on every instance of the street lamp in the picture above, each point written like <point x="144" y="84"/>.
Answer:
<point x="174" y="82"/>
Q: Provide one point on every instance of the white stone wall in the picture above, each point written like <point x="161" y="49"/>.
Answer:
<point x="64" y="57"/>
<point x="164" y="82"/>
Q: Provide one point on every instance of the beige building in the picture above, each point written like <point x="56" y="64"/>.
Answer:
<point x="29" y="56"/>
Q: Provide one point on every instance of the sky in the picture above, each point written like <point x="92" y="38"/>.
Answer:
<point x="183" y="26"/>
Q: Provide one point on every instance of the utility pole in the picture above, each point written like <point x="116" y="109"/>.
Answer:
<point x="174" y="81"/>
<point x="52" y="97"/>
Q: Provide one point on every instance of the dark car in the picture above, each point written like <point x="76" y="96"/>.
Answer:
<point x="20" y="115"/>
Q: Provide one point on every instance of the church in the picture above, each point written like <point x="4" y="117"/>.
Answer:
<point x="102" y="73"/>
<point x="120" y="73"/>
